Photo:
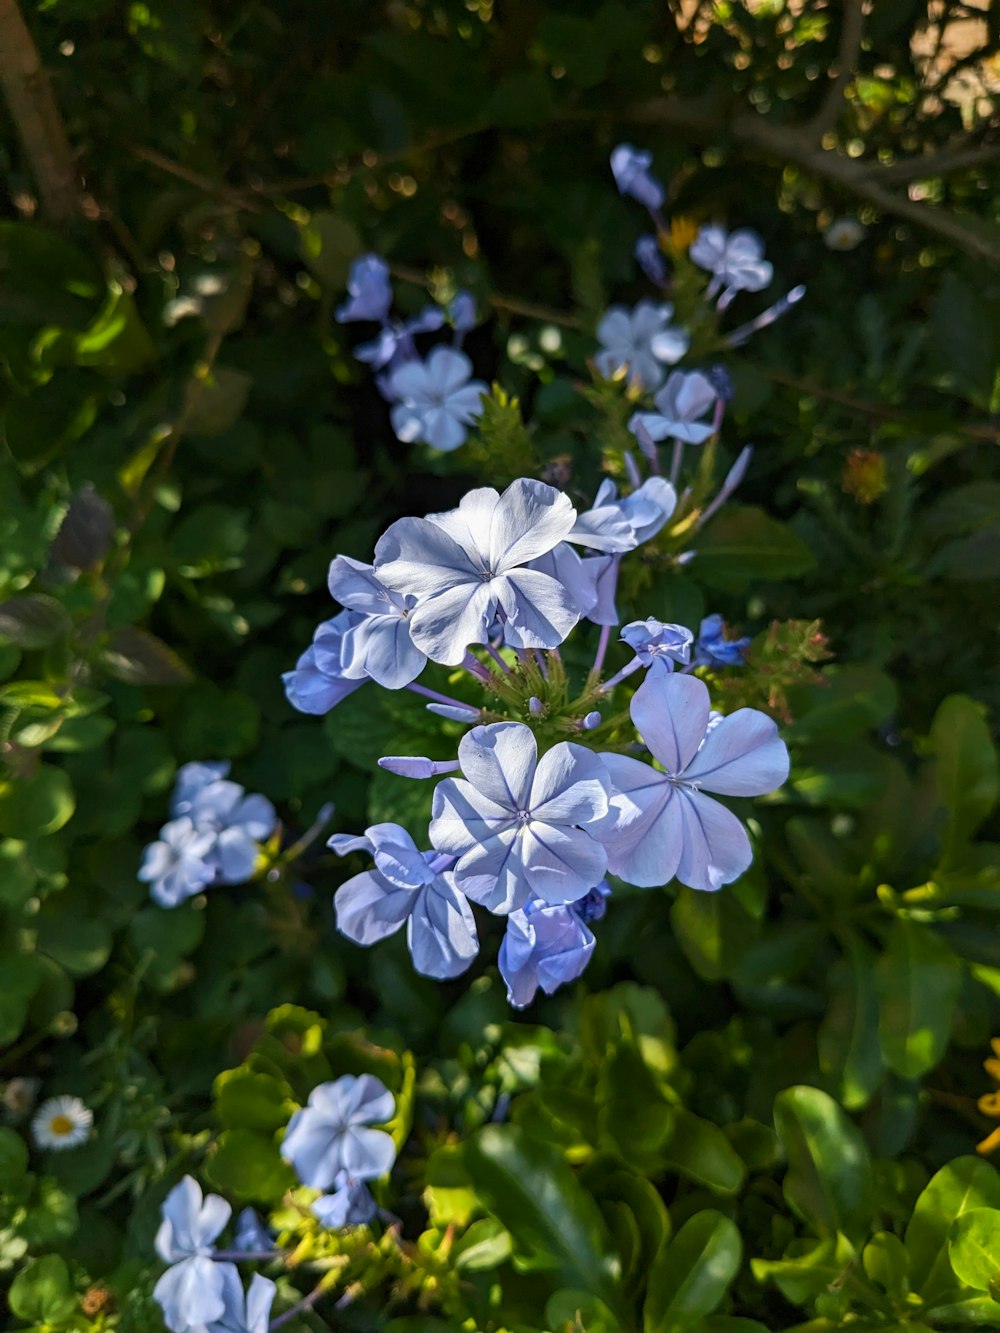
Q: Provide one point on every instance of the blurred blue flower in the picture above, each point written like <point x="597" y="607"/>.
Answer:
<point x="331" y="1134"/>
<point x="712" y="648"/>
<point x="544" y="946"/>
<point x="249" y="1313"/>
<point x="641" y="339"/>
<point x="630" y="167"/>
<point x="650" y="258"/>
<point x="370" y="292"/>
<point x="190" y="780"/>
<point x="351" y="1206"/>
<point x="736" y="261"/>
<point x="177" y="866"/>
<point x="435" y="400"/>
<point x="679" y="404"/>
<point x="657" y="644"/>
<point x="318" y="682"/>
<point x="517" y="823"/>
<point x="393" y="345"/>
<point x="238" y="821"/>
<point x="406" y="885"/>
<point x="251" y="1234"/>
<point x="462" y="312"/>
<point x="661" y="824"/>
<point x="462" y="565"/>
<point x="378" y="646"/>
<point x="191" y="1291"/>
<point x="620" y="525"/>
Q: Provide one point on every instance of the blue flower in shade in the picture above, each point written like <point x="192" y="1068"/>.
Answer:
<point x="177" y="866"/>
<point x="435" y="400"/>
<point x="378" y="645"/>
<point x="238" y="821"/>
<point x="411" y="886"/>
<point x="620" y="525"/>
<point x="658" y="645"/>
<point x="661" y="824"/>
<point x="351" y="1206"/>
<point x="393" y="345"/>
<point x="543" y="946"/>
<point x="318" y="682"/>
<point x="463" y="565"/>
<point x="249" y="1313"/>
<point x="252" y="1236"/>
<point x="627" y="339"/>
<point x="191" y="779"/>
<point x="519" y="824"/>
<point x="649" y="257"/>
<point x="630" y="168"/>
<point x="594" y="906"/>
<point x="370" y="292"/>
<point x="462" y="312"/>
<point x="712" y="648"/>
<point x="679" y="404"/>
<point x="191" y="1291"/>
<point x="332" y="1133"/>
<point x="736" y="261"/>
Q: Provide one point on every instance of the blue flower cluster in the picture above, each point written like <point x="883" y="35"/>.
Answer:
<point x="434" y="399"/>
<point x="328" y="1142"/>
<point x="530" y="836"/>
<point x="213" y="837"/>
<point x="640" y="343"/>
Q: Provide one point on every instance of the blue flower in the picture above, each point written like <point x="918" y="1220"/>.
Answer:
<point x="318" y="682"/>
<point x="251" y="1234"/>
<point x="679" y="404"/>
<point x="191" y="1291"/>
<point x="661" y="824"/>
<point x="594" y="905"/>
<point x="411" y="886"/>
<point x="462" y="312"/>
<point x="331" y="1134"/>
<point x="642" y="340"/>
<point x="462" y="565"/>
<point x="658" y="645"/>
<point x="249" y="1313"/>
<point x="543" y="946"/>
<point x="435" y="400"/>
<point x="238" y="821"/>
<point x="519" y="825"/>
<point x="650" y="259"/>
<point x="630" y="168"/>
<point x="564" y="565"/>
<point x="712" y="648"/>
<point x="370" y="292"/>
<point x="190" y="780"/>
<point x="393" y="345"/>
<point x="177" y="866"/>
<point x="378" y="645"/>
<point x="351" y="1206"/>
<point x="736" y="260"/>
<point x="620" y="525"/>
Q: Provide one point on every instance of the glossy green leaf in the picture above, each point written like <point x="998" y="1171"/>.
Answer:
<point x="965" y="1184"/>
<point x="33" y="807"/>
<point x="43" y="1292"/>
<point x="918" y="979"/>
<point x="966" y="768"/>
<point x="847" y="1040"/>
<point x="828" y="1182"/>
<point x="248" y="1166"/>
<point x="743" y="545"/>
<point x="692" y="1273"/>
<point x="700" y="1150"/>
<point x="974" y="1248"/>
<point x="32" y="621"/>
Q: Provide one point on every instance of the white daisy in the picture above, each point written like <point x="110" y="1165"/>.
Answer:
<point x="62" y="1122"/>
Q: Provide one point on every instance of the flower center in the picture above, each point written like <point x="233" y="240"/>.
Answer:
<point x="523" y="817"/>
<point x="61" y="1124"/>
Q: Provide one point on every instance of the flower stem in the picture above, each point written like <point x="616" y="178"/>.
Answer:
<point x="675" y="461"/>
<point x="602" y="649"/>
<point x="433" y="694"/>
<point x="475" y="668"/>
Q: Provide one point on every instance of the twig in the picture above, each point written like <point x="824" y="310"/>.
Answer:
<point x="851" y="32"/>
<point x="218" y="189"/>
<point x="952" y="157"/>
<point x="33" y="109"/>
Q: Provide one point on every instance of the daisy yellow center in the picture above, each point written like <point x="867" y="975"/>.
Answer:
<point x="61" y="1124"/>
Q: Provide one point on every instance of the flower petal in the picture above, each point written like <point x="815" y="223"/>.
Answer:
<point x="540" y="611"/>
<point x="530" y="519"/>
<point x="561" y="864"/>
<point x="642" y="830"/>
<point x="716" y="849"/>
<point x="370" y="909"/>
<point x="445" y="625"/>
<point x="499" y="761"/>
<point x="671" y="716"/>
<point x="441" y="933"/>
<point x="461" y="816"/>
<point x="368" y="1153"/>
<point x="742" y="756"/>
<point x="570" y="786"/>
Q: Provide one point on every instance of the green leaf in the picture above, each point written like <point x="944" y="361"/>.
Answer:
<point x="963" y="339"/>
<point x="554" y="1224"/>
<point x="849" y="701"/>
<point x="36" y="806"/>
<point x="974" y="1248"/>
<point x="847" y="1040"/>
<point x="211" y="406"/>
<point x="32" y="621"/>
<point x="247" y="1165"/>
<point x="13" y="1158"/>
<point x="328" y="243"/>
<point x="79" y="945"/>
<point x="44" y="279"/>
<point x="43" y="1292"/>
<point x="714" y="930"/>
<point x="484" y="1245"/>
<point x="918" y="979"/>
<point x="700" y="1150"/>
<point x="139" y="658"/>
<point x="570" y="1311"/>
<point x="828" y="1183"/>
<point x="966" y="768"/>
<point x="163" y="938"/>
<point x="38" y="426"/>
<point x="692" y="1273"/>
<point x="886" y="1262"/>
<point x="745" y="546"/>
<point x="965" y="1184"/>
<point x="52" y="1217"/>
<point x="245" y="1100"/>
<point x="85" y="534"/>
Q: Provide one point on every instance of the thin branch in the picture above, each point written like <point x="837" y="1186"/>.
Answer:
<point x="851" y="32"/>
<point x="217" y="189"/>
<point x="33" y="109"/>
<point x="953" y="157"/>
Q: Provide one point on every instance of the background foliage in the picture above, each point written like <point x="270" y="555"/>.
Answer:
<point x="759" y="1108"/>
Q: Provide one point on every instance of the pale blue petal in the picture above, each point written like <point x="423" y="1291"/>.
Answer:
<point x="499" y="761"/>
<point x="446" y="624"/>
<point x="716" y="849"/>
<point x="441" y="933"/>
<point x="540" y="612"/>
<point x="463" y="816"/>
<point x="642" y="830"/>
<point x="570" y="786"/>
<point x="742" y="756"/>
<point x="191" y="1293"/>
<point x="560" y="863"/>
<point x="370" y="909"/>
<point x="529" y="519"/>
<point x="368" y="1153"/>
<point x="671" y="715"/>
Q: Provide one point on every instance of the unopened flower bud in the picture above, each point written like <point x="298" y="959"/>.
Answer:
<point x="454" y="712"/>
<point x="416" y="766"/>
<point x="535" y="706"/>
<point x="591" y="721"/>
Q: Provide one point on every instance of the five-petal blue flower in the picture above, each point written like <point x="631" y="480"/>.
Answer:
<point x="332" y="1133"/>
